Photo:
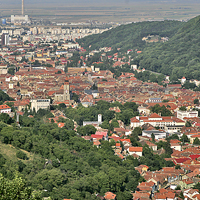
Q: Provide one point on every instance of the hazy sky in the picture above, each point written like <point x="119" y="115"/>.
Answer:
<point x="91" y="2"/>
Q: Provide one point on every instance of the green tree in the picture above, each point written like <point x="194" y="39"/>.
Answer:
<point x="61" y="106"/>
<point x="196" y="101"/>
<point x="153" y="137"/>
<point x="160" y="110"/>
<point x="173" y="137"/>
<point x="184" y="138"/>
<point x="4" y="117"/>
<point x="196" y="141"/>
<point x="177" y="167"/>
<point x="21" y="155"/>
<point x="86" y="130"/>
<point x="178" y="187"/>
<point x="11" y="71"/>
<point x="75" y="97"/>
<point x="197" y="186"/>
<point x="16" y="189"/>
<point x="137" y="130"/>
<point x="188" y="124"/>
<point x="183" y="108"/>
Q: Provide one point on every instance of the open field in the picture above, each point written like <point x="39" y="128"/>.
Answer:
<point x="127" y="12"/>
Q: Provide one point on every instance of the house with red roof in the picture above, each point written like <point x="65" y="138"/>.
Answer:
<point x="147" y="187"/>
<point x="135" y="150"/>
<point x="180" y="161"/>
<point x="141" y="195"/>
<point x="104" y="133"/>
<point x="176" y="146"/>
<point x="5" y="109"/>
<point x="97" y="137"/>
<point x="110" y="196"/>
<point x="119" y="131"/>
<point x="152" y="145"/>
<point x="96" y="143"/>
<point x="61" y="125"/>
<point x="163" y="196"/>
<point x="190" y="193"/>
<point x="193" y="137"/>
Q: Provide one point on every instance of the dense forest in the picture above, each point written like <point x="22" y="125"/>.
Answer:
<point x="177" y="57"/>
<point x="56" y="162"/>
<point x="130" y="36"/>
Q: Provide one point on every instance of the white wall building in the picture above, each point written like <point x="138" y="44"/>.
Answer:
<point x="40" y="104"/>
<point x="155" y="120"/>
<point x="158" y="134"/>
<point x="135" y="150"/>
<point x="20" y="19"/>
<point x="5" y="109"/>
<point x="94" y="123"/>
<point x="188" y="114"/>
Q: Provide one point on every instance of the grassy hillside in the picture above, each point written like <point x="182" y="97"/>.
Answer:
<point x="9" y="153"/>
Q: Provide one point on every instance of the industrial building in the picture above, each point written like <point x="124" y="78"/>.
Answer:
<point x="20" y="19"/>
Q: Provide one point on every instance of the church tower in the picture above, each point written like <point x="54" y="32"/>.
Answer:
<point x="66" y="94"/>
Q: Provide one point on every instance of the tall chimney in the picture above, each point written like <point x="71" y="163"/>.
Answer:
<point x="22" y="7"/>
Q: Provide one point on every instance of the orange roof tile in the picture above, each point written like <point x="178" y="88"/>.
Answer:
<point x="135" y="149"/>
<point x="109" y="195"/>
<point x="154" y="115"/>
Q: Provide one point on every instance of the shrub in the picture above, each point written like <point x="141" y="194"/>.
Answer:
<point x="21" y="155"/>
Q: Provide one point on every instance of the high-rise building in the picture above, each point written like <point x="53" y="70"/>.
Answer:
<point x="4" y="39"/>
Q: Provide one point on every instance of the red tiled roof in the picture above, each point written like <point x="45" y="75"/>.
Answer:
<point x="154" y="115"/>
<point x="60" y="125"/>
<point x="125" y="140"/>
<point x="97" y="136"/>
<point x="135" y="149"/>
<point x="109" y="195"/>
<point x="181" y="160"/>
<point x="2" y="107"/>
<point x="194" y="157"/>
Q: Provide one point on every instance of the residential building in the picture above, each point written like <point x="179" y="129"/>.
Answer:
<point x="154" y="100"/>
<point x="135" y="150"/>
<point x="110" y="196"/>
<point x="5" y="109"/>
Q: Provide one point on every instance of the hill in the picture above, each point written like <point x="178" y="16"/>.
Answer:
<point x="177" y="57"/>
<point x="130" y="36"/>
